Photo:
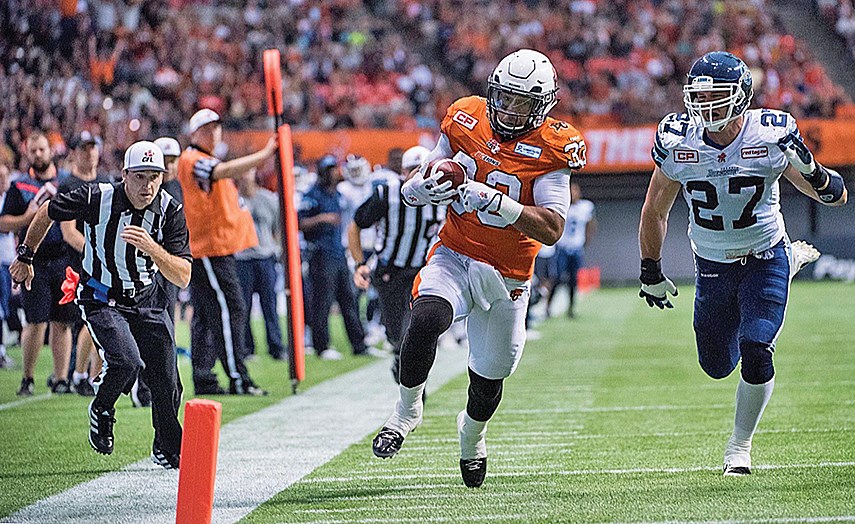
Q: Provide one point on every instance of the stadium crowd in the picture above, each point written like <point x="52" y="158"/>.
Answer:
<point x="841" y="15"/>
<point x="127" y="70"/>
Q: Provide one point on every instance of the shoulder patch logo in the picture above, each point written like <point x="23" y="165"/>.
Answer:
<point x="754" y="152"/>
<point x="686" y="156"/>
<point x="465" y="119"/>
<point x="528" y="150"/>
<point x="493" y="145"/>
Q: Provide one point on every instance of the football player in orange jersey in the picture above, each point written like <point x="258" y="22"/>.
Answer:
<point x="515" y="198"/>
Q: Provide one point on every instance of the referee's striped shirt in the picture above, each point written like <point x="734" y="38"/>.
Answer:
<point x="405" y="234"/>
<point x="113" y="268"/>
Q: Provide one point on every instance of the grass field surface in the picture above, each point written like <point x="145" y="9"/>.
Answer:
<point x="608" y="419"/>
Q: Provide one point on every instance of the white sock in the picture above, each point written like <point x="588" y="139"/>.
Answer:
<point x="408" y="410"/>
<point x="78" y="377"/>
<point x="473" y="441"/>
<point x="751" y="400"/>
<point x="2" y="350"/>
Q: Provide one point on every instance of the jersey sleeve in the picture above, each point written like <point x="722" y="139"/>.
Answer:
<point x="552" y="191"/>
<point x="74" y="205"/>
<point x="772" y="126"/>
<point x="374" y="208"/>
<point x="14" y="204"/>
<point x="669" y="135"/>
<point x="176" y="239"/>
<point x="566" y="145"/>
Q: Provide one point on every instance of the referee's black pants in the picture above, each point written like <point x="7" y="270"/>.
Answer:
<point x="394" y="285"/>
<point x="138" y="340"/>
<point x="217" y="331"/>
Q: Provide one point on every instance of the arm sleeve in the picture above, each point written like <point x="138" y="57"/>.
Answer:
<point x="14" y="204"/>
<point x="176" y="240"/>
<point x="552" y="191"/>
<point x="74" y="205"/>
<point x="374" y="208"/>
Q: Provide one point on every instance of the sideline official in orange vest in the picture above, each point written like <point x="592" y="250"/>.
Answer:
<point x="219" y="227"/>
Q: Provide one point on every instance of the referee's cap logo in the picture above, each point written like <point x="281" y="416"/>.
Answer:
<point x="144" y="156"/>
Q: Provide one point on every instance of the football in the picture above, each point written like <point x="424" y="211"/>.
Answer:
<point x="451" y="170"/>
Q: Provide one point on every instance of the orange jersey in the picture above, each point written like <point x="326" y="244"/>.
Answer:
<point x="512" y="167"/>
<point x="218" y="225"/>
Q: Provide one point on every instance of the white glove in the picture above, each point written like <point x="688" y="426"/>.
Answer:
<point x="419" y="191"/>
<point x="476" y="196"/>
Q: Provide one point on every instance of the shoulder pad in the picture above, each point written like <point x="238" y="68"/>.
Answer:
<point x="772" y="125"/>
<point x="567" y="142"/>
<point x="465" y="112"/>
<point x="672" y="130"/>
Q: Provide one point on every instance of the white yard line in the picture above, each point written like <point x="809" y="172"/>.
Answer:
<point x="516" y="472"/>
<point x="260" y="454"/>
<point x="780" y="520"/>
<point x="25" y="400"/>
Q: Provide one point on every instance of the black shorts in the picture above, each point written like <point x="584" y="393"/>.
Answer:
<point x="41" y="301"/>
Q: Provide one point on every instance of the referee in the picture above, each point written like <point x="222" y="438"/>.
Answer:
<point x="133" y="230"/>
<point x="407" y="235"/>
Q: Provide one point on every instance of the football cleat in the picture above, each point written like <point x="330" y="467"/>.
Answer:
<point x="387" y="443"/>
<point x="101" y="428"/>
<point x="26" y="389"/>
<point x="164" y="459"/>
<point x="802" y="255"/>
<point x="737" y="459"/>
<point x="474" y="471"/>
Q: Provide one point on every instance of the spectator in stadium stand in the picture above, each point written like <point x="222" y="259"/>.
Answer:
<point x="579" y="227"/>
<point x="219" y="227"/>
<point x="7" y="255"/>
<point x="408" y="234"/>
<point x="41" y="301"/>
<point x="85" y="154"/>
<point x="256" y="266"/>
<point x="320" y="221"/>
<point x="134" y="230"/>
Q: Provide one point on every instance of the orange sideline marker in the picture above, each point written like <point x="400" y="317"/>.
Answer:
<point x="198" y="469"/>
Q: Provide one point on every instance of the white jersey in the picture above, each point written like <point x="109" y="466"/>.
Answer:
<point x="575" y="226"/>
<point x="732" y="191"/>
<point x="351" y="197"/>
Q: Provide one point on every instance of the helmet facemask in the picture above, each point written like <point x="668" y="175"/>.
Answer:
<point x="728" y="102"/>
<point x="514" y="112"/>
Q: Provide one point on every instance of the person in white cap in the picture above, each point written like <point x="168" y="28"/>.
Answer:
<point x="397" y="267"/>
<point x="171" y="151"/>
<point x="136" y="231"/>
<point x="219" y="228"/>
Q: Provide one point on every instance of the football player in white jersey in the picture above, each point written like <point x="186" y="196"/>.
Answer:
<point x="727" y="160"/>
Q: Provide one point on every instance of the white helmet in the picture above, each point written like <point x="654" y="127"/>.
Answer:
<point x="414" y="157"/>
<point x="520" y="92"/>
<point x="357" y="170"/>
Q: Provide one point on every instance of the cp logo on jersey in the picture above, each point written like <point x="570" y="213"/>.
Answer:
<point x="686" y="156"/>
<point x="465" y="119"/>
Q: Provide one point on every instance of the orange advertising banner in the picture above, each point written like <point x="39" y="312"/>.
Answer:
<point x="610" y="150"/>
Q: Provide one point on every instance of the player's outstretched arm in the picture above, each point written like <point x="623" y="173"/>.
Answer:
<point x="661" y="194"/>
<point x="809" y="176"/>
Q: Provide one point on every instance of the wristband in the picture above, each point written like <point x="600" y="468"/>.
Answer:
<point x="510" y="209"/>
<point x="26" y="254"/>
<point x="651" y="271"/>
<point x="834" y="188"/>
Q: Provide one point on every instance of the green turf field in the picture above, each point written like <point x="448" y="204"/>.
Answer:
<point x="608" y="419"/>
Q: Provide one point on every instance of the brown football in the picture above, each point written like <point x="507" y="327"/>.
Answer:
<point x="450" y="169"/>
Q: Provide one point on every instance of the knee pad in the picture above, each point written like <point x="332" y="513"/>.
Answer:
<point x="484" y="396"/>
<point x="757" y="367"/>
<point x="430" y="317"/>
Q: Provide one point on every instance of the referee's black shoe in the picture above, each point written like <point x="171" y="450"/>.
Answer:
<point x="101" y="428"/>
<point x="474" y="471"/>
<point x="163" y="458"/>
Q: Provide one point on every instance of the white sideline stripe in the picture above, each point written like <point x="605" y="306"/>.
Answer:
<point x="424" y="519"/>
<point x="779" y="520"/>
<point x="260" y="454"/>
<point x="562" y="436"/>
<point x="26" y="400"/>
<point x="514" y="472"/>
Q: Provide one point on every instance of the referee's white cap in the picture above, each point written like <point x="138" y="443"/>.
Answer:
<point x="144" y="156"/>
<point x="168" y="145"/>
<point x="414" y="156"/>
<point x="202" y="117"/>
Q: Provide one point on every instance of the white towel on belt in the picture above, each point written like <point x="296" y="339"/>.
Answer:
<point x="486" y="284"/>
